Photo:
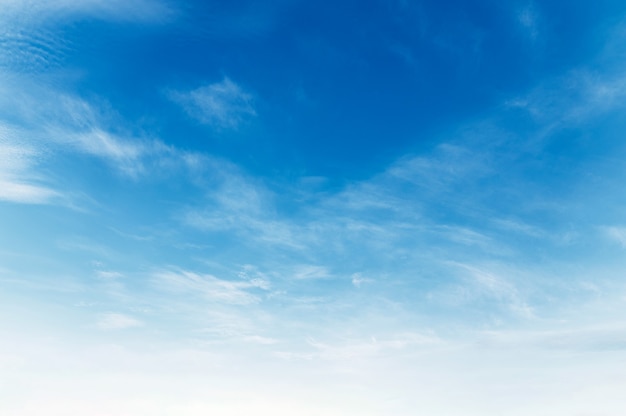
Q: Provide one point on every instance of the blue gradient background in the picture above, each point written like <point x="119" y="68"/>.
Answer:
<point x="287" y="207"/>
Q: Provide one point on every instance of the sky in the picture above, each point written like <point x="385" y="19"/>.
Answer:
<point x="336" y="207"/>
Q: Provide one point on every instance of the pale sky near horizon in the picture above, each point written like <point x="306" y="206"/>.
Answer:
<point x="312" y="208"/>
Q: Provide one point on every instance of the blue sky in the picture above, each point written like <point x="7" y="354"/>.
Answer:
<point x="373" y="208"/>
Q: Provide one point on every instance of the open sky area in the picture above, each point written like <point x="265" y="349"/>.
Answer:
<point x="288" y="207"/>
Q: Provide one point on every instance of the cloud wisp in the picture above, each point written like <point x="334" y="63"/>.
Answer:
<point x="31" y="38"/>
<point x="209" y="287"/>
<point x="38" y="12"/>
<point x="116" y="321"/>
<point x="221" y="105"/>
<point x="455" y="226"/>
<point x="18" y="182"/>
<point x="34" y="142"/>
<point x="459" y="278"/>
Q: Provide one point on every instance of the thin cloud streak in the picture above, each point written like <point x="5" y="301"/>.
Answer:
<point x="116" y="321"/>
<point x="18" y="183"/>
<point x="31" y="39"/>
<point x="37" y="12"/>
<point x="221" y="105"/>
<point x="208" y="287"/>
<point x="459" y="279"/>
<point x="25" y="193"/>
<point x="413" y="214"/>
<point x="33" y="141"/>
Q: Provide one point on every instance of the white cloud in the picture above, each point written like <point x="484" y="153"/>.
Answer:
<point x="38" y="124"/>
<point x="447" y="164"/>
<point x="309" y="271"/>
<point x="222" y="105"/>
<point x="354" y="349"/>
<point x="257" y="339"/>
<point x="26" y="193"/>
<point x="529" y="20"/>
<point x="519" y="227"/>
<point x="598" y="337"/>
<point x="358" y="279"/>
<point x="30" y="38"/>
<point x="73" y="123"/>
<point x="208" y="286"/>
<point x="44" y="118"/>
<point x="45" y="11"/>
<point x="108" y="275"/>
<point x="18" y="183"/>
<point x="255" y="277"/>
<point x="573" y="99"/>
<point x="125" y="154"/>
<point x="464" y="235"/>
<point x="483" y="282"/>
<point x="80" y="244"/>
<point x="113" y="321"/>
<point x="616" y="234"/>
<point x="236" y="325"/>
<point x="240" y="204"/>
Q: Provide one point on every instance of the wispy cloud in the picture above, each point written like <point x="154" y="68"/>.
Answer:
<point x="305" y="272"/>
<point x="528" y="17"/>
<point x="108" y="275"/>
<point x="600" y="337"/>
<point x="30" y="39"/>
<point x="394" y="217"/>
<point x="13" y="191"/>
<point x="358" y="280"/>
<point x="448" y="163"/>
<point x="222" y="105"/>
<point x="495" y="286"/>
<point x="86" y="245"/>
<point x="39" y="11"/>
<point x="459" y="216"/>
<point x="354" y="349"/>
<point x="209" y="287"/>
<point x="573" y="100"/>
<point x="42" y="119"/>
<point x="74" y="124"/>
<point x="32" y="141"/>
<point x="519" y="227"/>
<point x="116" y="321"/>
<point x="616" y="234"/>
<point x="237" y="326"/>
<point x="18" y="182"/>
<point x="240" y="204"/>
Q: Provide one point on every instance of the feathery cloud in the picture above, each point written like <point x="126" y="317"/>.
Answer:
<point x="30" y="36"/>
<point x="42" y="11"/>
<point x="222" y="105"/>
<point x="18" y="182"/>
<point x="616" y="234"/>
<point x="208" y="286"/>
<point x="115" y="321"/>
